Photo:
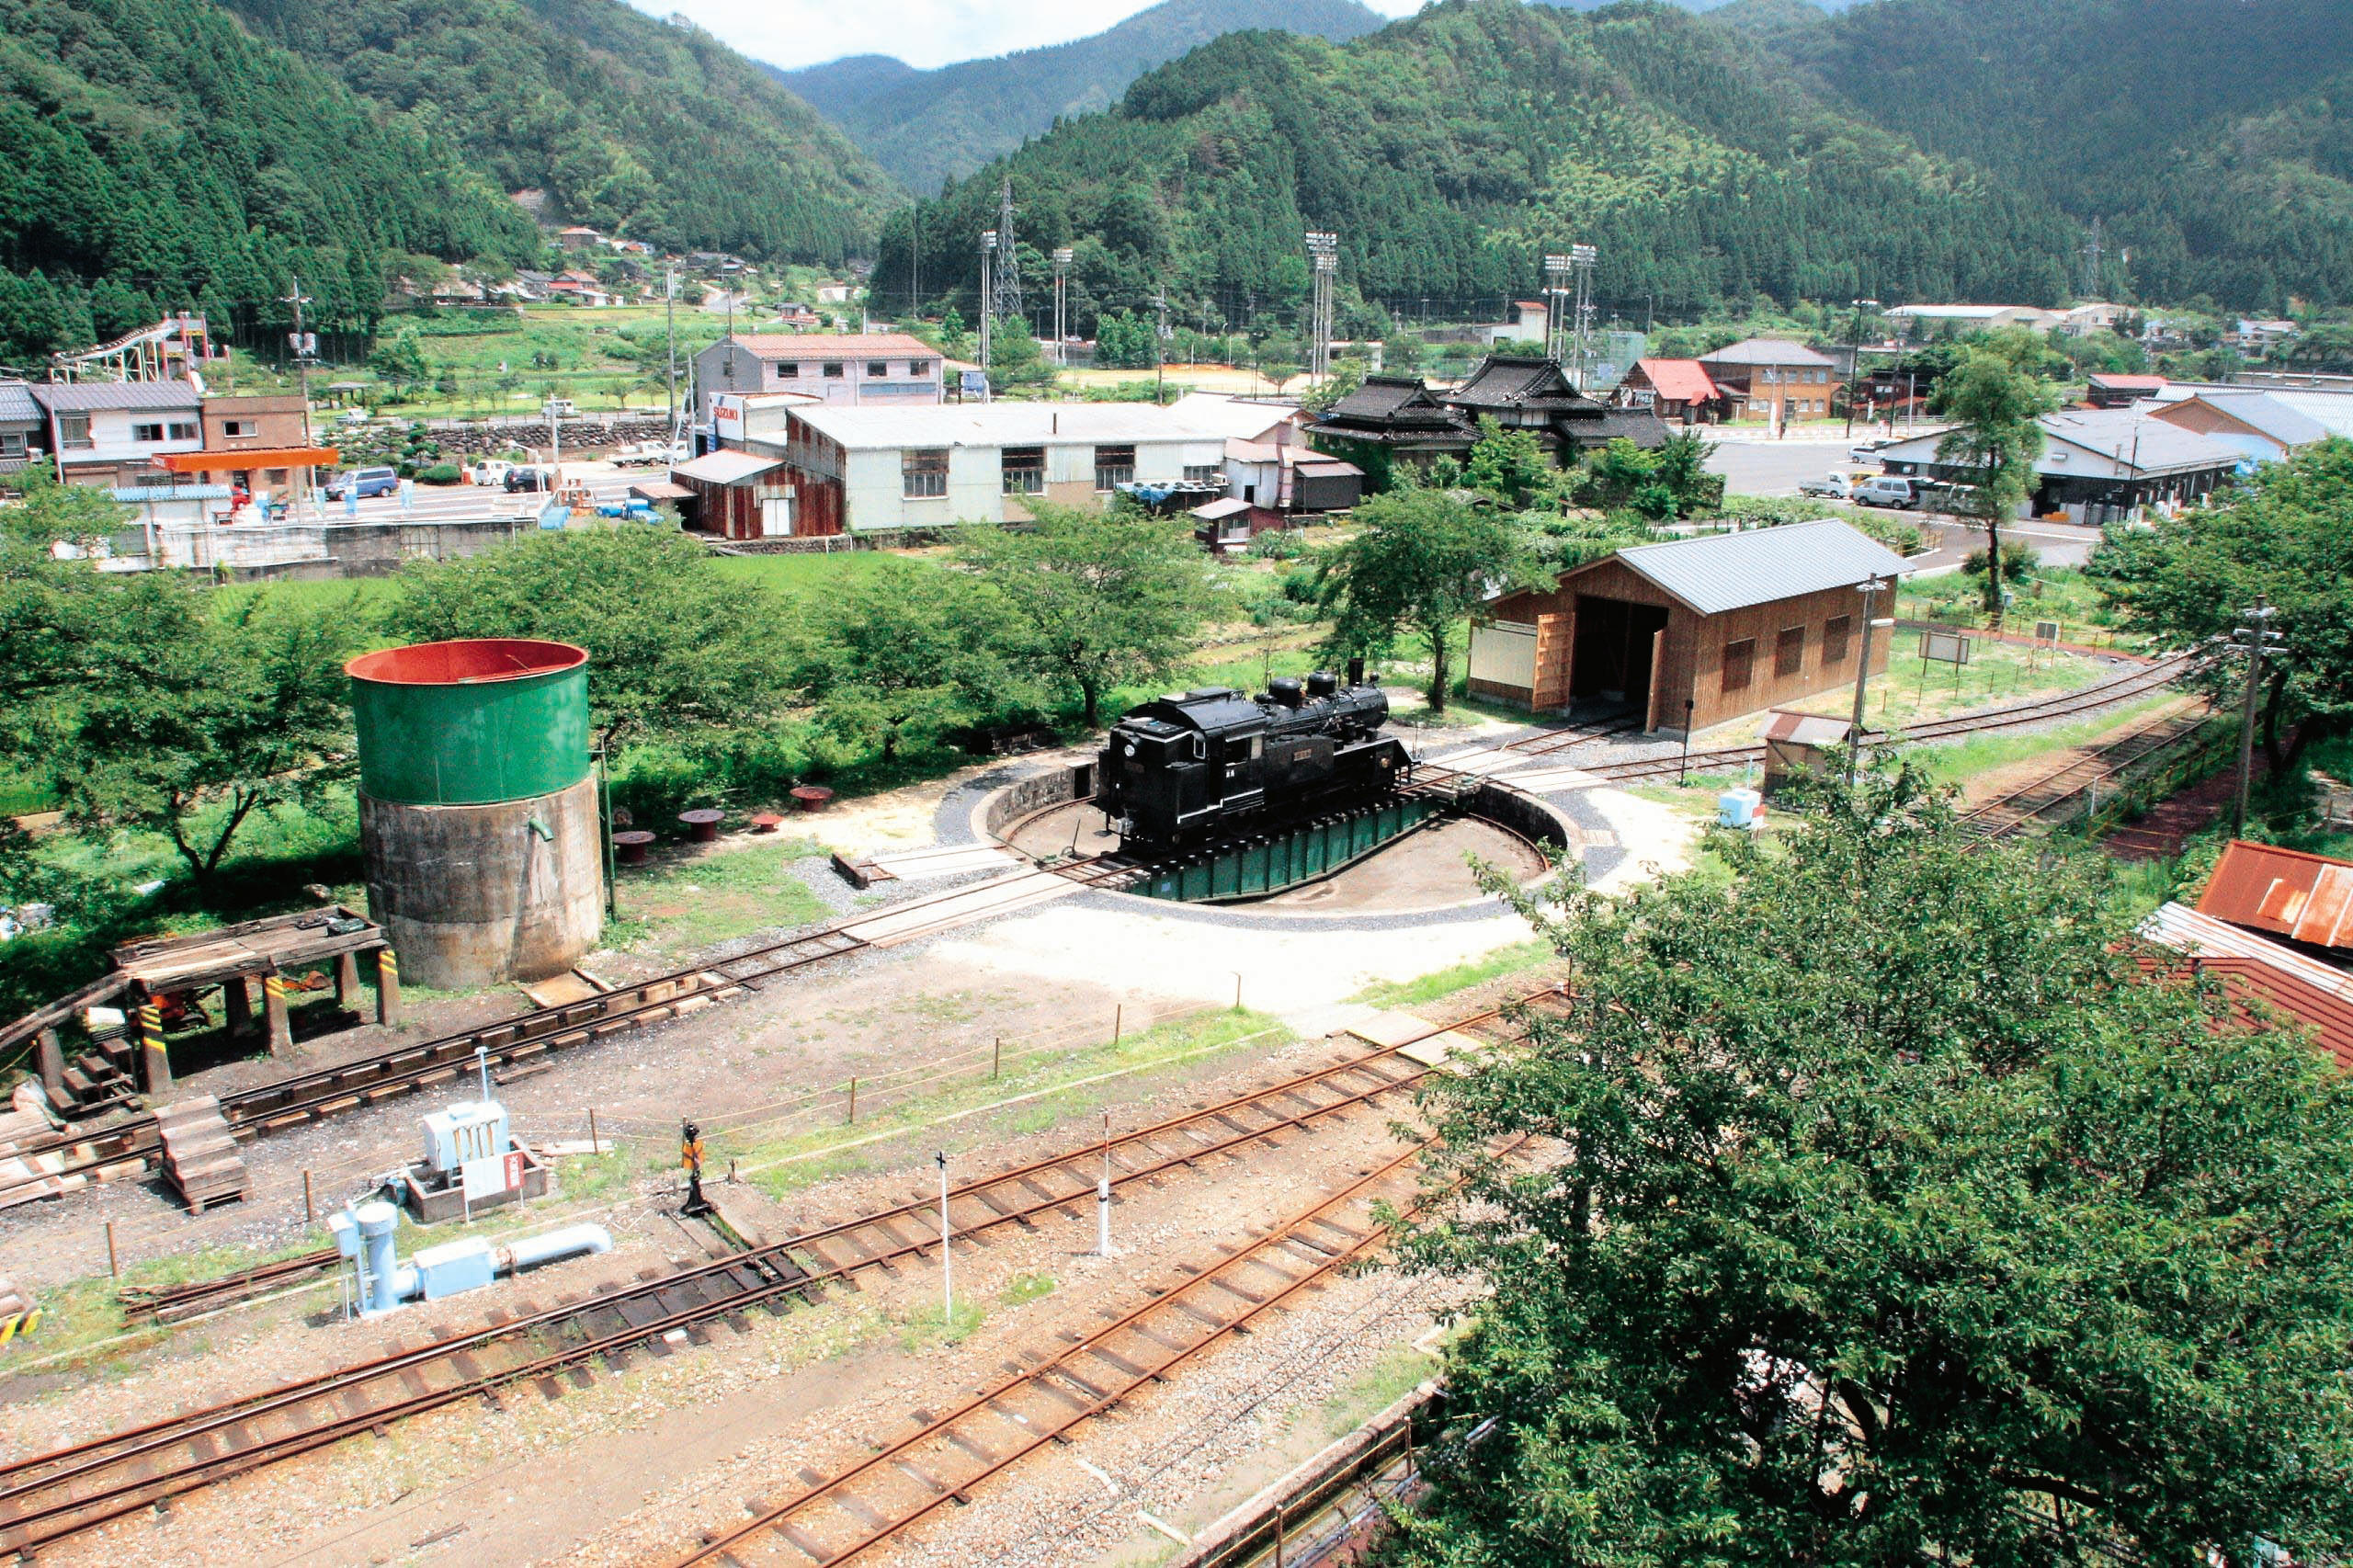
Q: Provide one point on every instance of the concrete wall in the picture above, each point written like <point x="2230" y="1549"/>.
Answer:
<point x="472" y="895"/>
<point x="340" y="549"/>
<point x="873" y="487"/>
<point x="1051" y="787"/>
<point x="1523" y="814"/>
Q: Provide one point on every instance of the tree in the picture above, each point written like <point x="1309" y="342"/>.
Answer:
<point x="1421" y="562"/>
<point x="2285" y="538"/>
<point x="674" y="644"/>
<point x="1880" y="1199"/>
<point x="1997" y="402"/>
<point x="902" y="652"/>
<point x="1512" y="466"/>
<point x="1102" y="599"/>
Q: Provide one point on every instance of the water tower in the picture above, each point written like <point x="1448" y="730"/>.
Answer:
<point x="477" y="814"/>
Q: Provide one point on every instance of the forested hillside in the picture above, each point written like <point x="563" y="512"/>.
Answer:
<point x="152" y="153"/>
<point x="928" y="126"/>
<point x="1451" y="150"/>
<point x="2210" y="135"/>
<point x="643" y="128"/>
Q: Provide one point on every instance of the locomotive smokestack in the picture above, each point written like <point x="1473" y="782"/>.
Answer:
<point x="1356" y="669"/>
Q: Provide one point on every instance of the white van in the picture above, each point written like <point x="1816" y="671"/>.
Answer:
<point x="1900" y="491"/>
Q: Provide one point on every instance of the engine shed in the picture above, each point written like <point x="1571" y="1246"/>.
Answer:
<point x="1691" y="632"/>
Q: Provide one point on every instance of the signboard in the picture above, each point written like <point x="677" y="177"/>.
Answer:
<point x="973" y="384"/>
<point x="492" y="1175"/>
<point x="2047" y="631"/>
<point x="1946" y="647"/>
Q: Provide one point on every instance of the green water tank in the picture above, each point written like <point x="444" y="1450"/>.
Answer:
<point x="471" y="722"/>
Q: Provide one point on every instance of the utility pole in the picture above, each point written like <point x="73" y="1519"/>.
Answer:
<point x="306" y="349"/>
<point x="2253" y="636"/>
<point x="1061" y="305"/>
<point x="670" y="334"/>
<point x="2093" y="246"/>
<point x="1159" y="352"/>
<point x="1855" y="361"/>
<point x="1870" y="591"/>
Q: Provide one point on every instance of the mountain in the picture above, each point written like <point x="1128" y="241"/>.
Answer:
<point x="1451" y="150"/>
<point x="929" y="126"/>
<point x="643" y="128"/>
<point x="152" y="153"/>
<point x="2208" y="136"/>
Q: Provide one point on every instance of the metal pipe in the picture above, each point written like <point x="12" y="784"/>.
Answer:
<point x="570" y="1241"/>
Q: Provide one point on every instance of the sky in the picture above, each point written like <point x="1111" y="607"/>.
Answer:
<point x="922" y="32"/>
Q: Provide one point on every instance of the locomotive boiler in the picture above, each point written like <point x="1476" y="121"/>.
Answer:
<point x="1199" y="764"/>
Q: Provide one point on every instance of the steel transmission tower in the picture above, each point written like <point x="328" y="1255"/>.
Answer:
<point x="1324" y="261"/>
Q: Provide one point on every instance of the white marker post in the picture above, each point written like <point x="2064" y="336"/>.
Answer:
<point x="946" y="1262"/>
<point x="1103" y="1195"/>
<point x="481" y="1065"/>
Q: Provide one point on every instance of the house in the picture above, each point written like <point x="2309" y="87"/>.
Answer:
<point x="1524" y="321"/>
<point x="850" y="367"/>
<point x="1272" y="485"/>
<point x="834" y="293"/>
<point x="1678" y="391"/>
<point x="22" y="426"/>
<point x="1395" y="418"/>
<point x="1773" y="380"/>
<point x="458" y="291"/>
<point x="736" y="495"/>
<point x="2098" y="465"/>
<point x="581" y="288"/>
<point x="579" y="237"/>
<point x="1972" y="317"/>
<point x="885" y="470"/>
<point x="2256" y="969"/>
<point x="2105" y="390"/>
<point x="2262" y="425"/>
<point x="110" y="433"/>
<point x="260" y="445"/>
<point x="2093" y="315"/>
<point x="2258" y="338"/>
<point x="1689" y="632"/>
<point x="2299" y="898"/>
<point x="797" y="317"/>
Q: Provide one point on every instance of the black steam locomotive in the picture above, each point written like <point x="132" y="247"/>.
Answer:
<point x="1198" y="764"/>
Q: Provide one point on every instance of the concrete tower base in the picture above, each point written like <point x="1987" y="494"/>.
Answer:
<point x="471" y="896"/>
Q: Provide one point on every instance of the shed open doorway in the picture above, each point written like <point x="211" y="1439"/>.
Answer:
<point x="1612" y="660"/>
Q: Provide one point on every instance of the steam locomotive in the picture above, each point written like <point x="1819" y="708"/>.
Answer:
<point x="1199" y="764"/>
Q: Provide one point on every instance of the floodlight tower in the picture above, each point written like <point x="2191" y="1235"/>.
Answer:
<point x="1556" y="289"/>
<point x="1324" y="262"/>
<point x="1581" y="258"/>
<point x="988" y="296"/>
<point x="1061" y="305"/>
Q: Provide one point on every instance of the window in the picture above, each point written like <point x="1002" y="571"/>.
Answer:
<point x="1114" y="466"/>
<point x="231" y="430"/>
<point x="833" y="368"/>
<point x="1740" y="659"/>
<point x="921" y="366"/>
<point x="1789" y="651"/>
<point x="146" y="432"/>
<point x="789" y="370"/>
<point x="878" y="369"/>
<point x="73" y="432"/>
<point x="12" y="444"/>
<point x="1202" y="473"/>
<point x="1834" y="633"/>
<point x="184" y="430"/>
<point x="1024" y="470"/>
<point x="923" y="474"/>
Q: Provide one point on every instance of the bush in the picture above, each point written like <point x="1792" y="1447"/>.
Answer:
<point x="441" y="474"/>
<point x="1277" y="545"/>
<point x="2017" y="560"/>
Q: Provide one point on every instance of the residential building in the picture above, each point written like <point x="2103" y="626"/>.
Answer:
<point x="1766" y="378"/>
<point x="2098" y="465"/>
<point x="2255" y="338"/>
<point x="2261" y="424"/>
<point x="1275" y="485"/>
<point x="579" y="238"/>
<point x="22" y="426"/>
<point x="258" y="444"/>
<point x="885" y="470"/>
<point x="1396" y="419"/>
<point x="110" y="433"/>
<point x="2105" y="390"/>
<point x="1678" y="391"/>
<point x="2093" y="315"/>
<point x="1691" y="632"/>
<point x="850" y="367"/>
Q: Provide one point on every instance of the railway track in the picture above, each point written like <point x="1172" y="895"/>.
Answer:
<point x="49" y="1497"/>
<point x="74" y="1158"/>
<point x="991" y="1429"/>
<point x="2039" y="798"/>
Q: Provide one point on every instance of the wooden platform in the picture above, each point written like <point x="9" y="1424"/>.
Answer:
<point x="273" y="946"/>
<point x="201" y="1153"/>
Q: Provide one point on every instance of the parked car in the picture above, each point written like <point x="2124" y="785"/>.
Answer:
<point x="1867" y="451"/>
<point x="643" y="454"/>
<point x="1830" y="487"/>
<point x="560" y="408"/>
<point x="364" y="482"/>
<point x="489" y="470"/>
<point x="528" y="476"/>
<point x="1900" y="491"/>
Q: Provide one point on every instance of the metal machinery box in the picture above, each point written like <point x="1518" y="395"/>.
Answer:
<point x="453" y="1266"/>
<point x="470" y="1130"/>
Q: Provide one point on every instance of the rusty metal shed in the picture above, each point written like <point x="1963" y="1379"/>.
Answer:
<point x="2305" y="898"/>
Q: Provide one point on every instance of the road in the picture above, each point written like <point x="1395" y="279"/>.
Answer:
<point x="443" y="503"/>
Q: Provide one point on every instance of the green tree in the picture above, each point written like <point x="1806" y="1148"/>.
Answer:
<point x="675" y="645"/>
<point x="897" y="654"/>
<point x="1878" y="1199"/>
<point x="1996" y="400"/>
<point x="1101" y="599"/>
<point x="1512" y="466"/>
<point x="400" y="360"/>
<point x="2285" y="538"/>
<point x="1421" y="560"/>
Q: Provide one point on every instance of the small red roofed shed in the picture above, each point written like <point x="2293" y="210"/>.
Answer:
<point x="2305" y="898"/>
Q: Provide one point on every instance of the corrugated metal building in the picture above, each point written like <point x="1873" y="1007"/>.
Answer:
<point x="2254" y="968"/>
<point x="2305" y="898"/>
<point x="1691" y="632"/>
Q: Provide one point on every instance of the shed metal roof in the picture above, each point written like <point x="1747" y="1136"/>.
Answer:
<point x="875" y="425"/>
<point x="725" y="466"/>
<point x="817" y="344"/>
<point x="81" y="397"/>
<point x="17" y="405"/>
<point x="2305" y="898"/>
<point x="2307" y="990"/>
<point x="1766" y="351"/>
<point x="1729" y="572"/>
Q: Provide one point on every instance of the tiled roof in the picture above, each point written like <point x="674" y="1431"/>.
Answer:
<point x="2259" y="411"/>
<point x="1513" y="381"/>
<point x="2125" y="383"/>
<point x="1640" y="426"/>
<point x="2305" y="898"/>
<point x="1683" y="380"/>
<point x="1394" y="408"/>
<point x="1728" y="572"/>
<point x="17" y="405"/>
<point x="816" y="344"/>
<point x="81" y="397"/>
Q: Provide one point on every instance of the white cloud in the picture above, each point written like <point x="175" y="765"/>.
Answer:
<point x="922" y="32"/>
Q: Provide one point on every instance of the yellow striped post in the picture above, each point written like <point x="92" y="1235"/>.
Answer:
<point x="154" y="1062"/>
<point x="273" y="1006"/>
<point x="388" y="987"/>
